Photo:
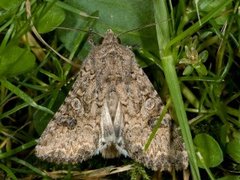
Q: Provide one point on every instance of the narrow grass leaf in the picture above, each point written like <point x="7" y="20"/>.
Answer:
<point x="163" y="34"/>
<point x="28" y="165"/>
<point x="18" y="149"/>
<point x="8" y="171"/>
<point x="156" y="127"/>
<point x="23" y="95"/>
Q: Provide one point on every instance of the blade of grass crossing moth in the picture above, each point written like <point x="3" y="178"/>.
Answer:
<point x="174" y="88"/>
<point x="163" y="37"/>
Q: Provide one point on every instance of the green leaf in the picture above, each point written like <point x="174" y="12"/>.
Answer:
<point x="223" y="134"/>
<point x="201" y="69"/>
<point x="8" y="4"/>
<point x="233" y="150"/>
<point x="209" y="5"/>
<point x="209" y="149"/>
<point x="120" y="16"/>
<point x="188" y="70"/>
<point x="51" y="19"/>
<point x="15" y="60"/>
<point x="203" y="56"/>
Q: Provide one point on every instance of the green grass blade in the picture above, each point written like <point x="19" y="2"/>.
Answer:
<point x="174" y="88"/>
<point x="163" y="36"/>
<point x="8" y="171"/>
<point x="158" y="124"/>
<point x="23" y="95"/>
<point x="192" y="29"/>
<point x="25" y="163"/>
<point x="18" y="149"/>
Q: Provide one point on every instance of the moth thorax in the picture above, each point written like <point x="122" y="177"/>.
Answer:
<point x="112" y="102"/>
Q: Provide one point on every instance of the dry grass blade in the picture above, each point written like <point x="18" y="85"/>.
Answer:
<point x="90" y="174"/>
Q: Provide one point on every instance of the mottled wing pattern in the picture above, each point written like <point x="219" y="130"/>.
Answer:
<point x="142" y="108"/>
<point x="111" y="110"/>
<point x="179" y="156"/>
<point x="72" y="134"/>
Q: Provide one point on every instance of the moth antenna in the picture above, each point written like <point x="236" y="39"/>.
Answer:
<point x="136" y="29"/>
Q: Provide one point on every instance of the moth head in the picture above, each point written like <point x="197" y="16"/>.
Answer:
<point x="110" y="38"/>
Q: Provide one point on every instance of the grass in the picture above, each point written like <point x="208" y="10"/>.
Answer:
<point x="192" y="53"/>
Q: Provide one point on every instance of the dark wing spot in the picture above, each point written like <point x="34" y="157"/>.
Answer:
<point x="69" y="122"/>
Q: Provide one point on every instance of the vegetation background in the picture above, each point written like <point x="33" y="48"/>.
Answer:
<point x="189" y="49"/>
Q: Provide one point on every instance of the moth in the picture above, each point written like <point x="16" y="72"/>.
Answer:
<point x="111" y="110"/>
